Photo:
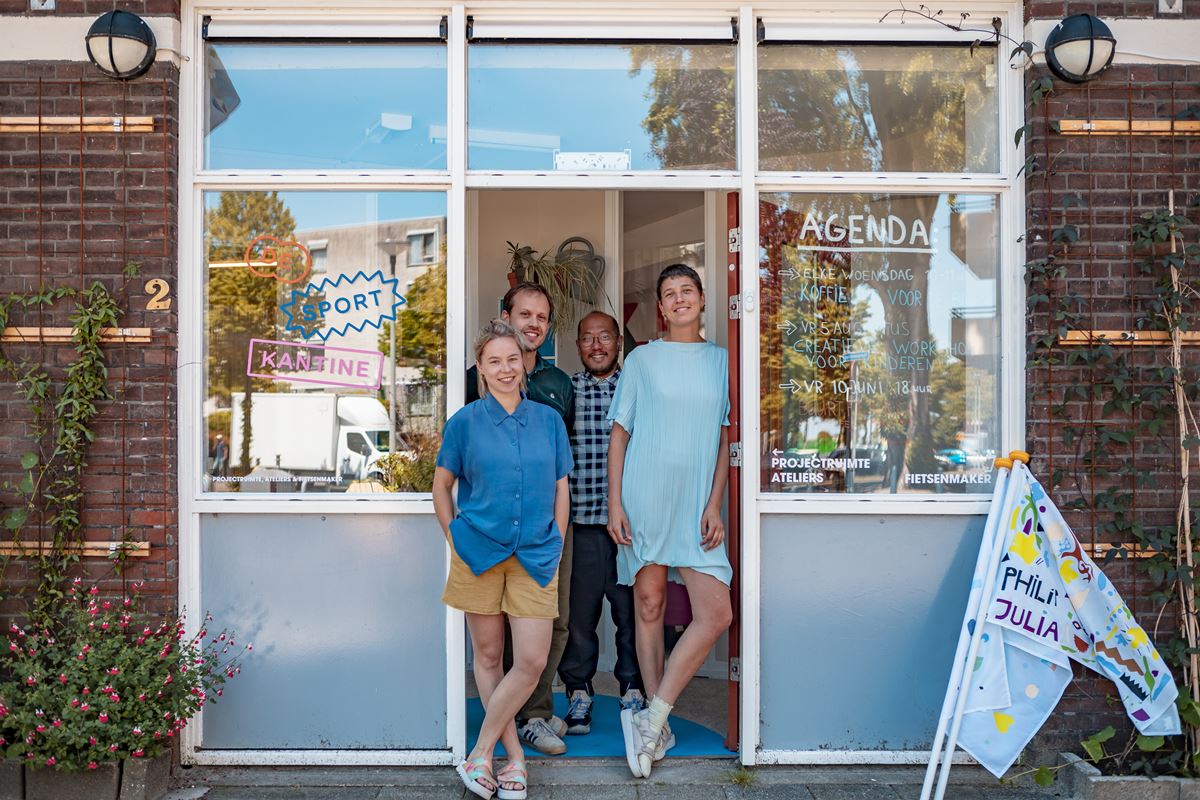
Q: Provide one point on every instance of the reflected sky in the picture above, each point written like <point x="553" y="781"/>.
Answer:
<point x="331" y="209"/>
<point x="324" y="106"/>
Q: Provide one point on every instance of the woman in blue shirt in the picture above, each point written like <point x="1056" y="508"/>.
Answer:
<point x="510" y="457"/>
<point x="667" y="468"/>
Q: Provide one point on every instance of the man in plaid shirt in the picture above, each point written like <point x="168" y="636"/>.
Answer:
<point x="594" y="561"/>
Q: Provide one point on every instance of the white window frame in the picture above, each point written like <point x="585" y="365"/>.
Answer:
<point x="834" y="22"/>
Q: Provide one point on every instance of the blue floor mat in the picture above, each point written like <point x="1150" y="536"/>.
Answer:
<point x="691" y="739"/>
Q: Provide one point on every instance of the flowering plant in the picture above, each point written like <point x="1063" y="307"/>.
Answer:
<point x="110" y="682"/>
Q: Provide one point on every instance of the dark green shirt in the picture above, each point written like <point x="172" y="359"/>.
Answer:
<point x="548" y="385"/>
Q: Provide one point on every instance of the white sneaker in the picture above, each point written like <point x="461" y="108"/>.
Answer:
<point x="633" y="741"/>
<point x="641" y="743"/>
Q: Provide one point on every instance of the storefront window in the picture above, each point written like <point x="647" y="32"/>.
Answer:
<point x="601" y="107"/>
<point x="325" y="106"/>
<point x="878" y="108"/>
<point x="880" y="342"/>
<point x="328" y="379"/>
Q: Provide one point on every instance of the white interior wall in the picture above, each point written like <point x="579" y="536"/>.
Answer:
<point x="541" y="219"/>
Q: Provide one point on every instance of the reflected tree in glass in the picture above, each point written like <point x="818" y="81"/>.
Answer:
<point x="692" y="114"/>
<point x="240" y="304"/>
<point x="877" y="108"/>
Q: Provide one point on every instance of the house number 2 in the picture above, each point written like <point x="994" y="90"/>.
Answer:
<point x="159" y="291"/>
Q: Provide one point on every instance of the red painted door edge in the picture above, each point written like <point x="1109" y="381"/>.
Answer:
<point x="733" y="534"/>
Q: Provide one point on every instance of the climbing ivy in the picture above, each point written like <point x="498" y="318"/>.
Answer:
<point x="48" y="487"/>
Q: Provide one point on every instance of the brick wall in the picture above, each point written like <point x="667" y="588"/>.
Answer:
<point x="1118" y="178"/>
<point x="77" y="208"/>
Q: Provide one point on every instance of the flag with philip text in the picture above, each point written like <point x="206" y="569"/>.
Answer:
<point x="1050" y="605"/>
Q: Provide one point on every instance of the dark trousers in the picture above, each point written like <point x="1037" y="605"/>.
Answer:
<point x="594" y="577"/>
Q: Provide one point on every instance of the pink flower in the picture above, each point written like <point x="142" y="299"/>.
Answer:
<point x="74" y="702"/>
<point x="56" y="723"/>
<point x="112" y="748"/>
<point x="40" y="729"/>
<point x="51" y="761"/>
<point x="107" y="605"/>
<point x="62" y="679"/>
<point x="92" y="740"/>
<point x="32" y="681"/>
<point x="84" y="707"/>
<point x="94" y="590"/>
<point x="137" y="731"/>
<point x="93" y="765"/>
<point x="103" y="717"/>
<point x="137" y="753"/>
<point x="86" y="690"/>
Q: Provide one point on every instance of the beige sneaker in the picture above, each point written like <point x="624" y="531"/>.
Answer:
<point x="538" y="734"/>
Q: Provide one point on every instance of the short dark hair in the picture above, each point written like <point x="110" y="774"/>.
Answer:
<point x="506" y="304"/>
<point x="616" y="327"/>
<point x="677" y="271"/>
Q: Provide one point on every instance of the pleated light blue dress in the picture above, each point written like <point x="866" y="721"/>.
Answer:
<point x="672" y="398"/>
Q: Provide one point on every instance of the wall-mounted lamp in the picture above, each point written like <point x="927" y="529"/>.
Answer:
<point x="121" y="45"/>
<point x="1080" y="48"/>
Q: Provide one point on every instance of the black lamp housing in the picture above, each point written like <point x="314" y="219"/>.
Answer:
<point x="1080" y="48"/>
<point x="121" y="45"/>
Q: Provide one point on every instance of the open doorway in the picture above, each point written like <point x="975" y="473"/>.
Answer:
<point x="633" y="235"/>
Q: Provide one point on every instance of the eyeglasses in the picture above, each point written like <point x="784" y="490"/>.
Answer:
<point x="605" y="338"/>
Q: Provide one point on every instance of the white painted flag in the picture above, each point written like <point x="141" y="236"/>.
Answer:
<point x="1051" y="604"/>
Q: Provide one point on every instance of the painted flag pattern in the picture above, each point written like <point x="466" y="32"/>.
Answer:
<point x="1051" y="604"/>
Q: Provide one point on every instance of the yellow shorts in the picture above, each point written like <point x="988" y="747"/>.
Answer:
<point x="504" y="589"/>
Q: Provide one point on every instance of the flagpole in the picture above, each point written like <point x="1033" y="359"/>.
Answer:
<point x="1003" y="466"/>
<point x="989" y="583"/>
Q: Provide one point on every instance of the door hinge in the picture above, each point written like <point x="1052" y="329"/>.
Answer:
<point x="735" y="306"/>
<point x="735" y="670"/>
<point x="735" y="240"/>
<point x="735" y="454"/>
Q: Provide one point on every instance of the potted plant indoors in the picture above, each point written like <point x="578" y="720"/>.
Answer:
<point x="96" y="698"/>
<point x="573" y="277"/>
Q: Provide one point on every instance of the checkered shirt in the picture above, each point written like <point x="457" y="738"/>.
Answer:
<point x="589" y="446"/>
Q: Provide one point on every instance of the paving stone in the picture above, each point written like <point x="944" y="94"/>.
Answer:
<point x="864" y="791"/>
<point x="423" y="793"/>
<point x="303" y="793"/>
<point x="600" y="792"/>
<point x="779" y="791"/>
<point x="651" y="791"/>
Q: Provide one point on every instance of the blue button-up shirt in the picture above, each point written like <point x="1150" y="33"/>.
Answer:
<point x="507" y="466"/>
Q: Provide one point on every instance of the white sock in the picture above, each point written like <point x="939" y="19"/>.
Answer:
<point x="658" y="711"/>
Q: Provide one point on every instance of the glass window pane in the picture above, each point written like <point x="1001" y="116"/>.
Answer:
<point x="880" y="336"/>
<point x="302" y="390"/>
<point x="589" y="107"/>
<point x="325" y="106"/>
<point x="878" y="108"/>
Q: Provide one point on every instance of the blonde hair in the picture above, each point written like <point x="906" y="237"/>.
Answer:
<point x="496" y="329"/>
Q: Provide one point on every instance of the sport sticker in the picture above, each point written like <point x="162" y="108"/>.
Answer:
<point x="334" y="307"/>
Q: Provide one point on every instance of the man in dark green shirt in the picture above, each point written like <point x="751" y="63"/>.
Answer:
<point x="528" y="309"/>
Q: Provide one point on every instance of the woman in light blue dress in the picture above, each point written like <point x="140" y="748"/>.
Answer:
<point x="667" y="470"/>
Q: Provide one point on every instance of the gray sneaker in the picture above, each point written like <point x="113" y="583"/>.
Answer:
<point x="633" y="699"/>
<point x="666" y="740"/>
<point x="538" y="734"/>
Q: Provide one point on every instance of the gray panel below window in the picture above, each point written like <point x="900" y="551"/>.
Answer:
<point x="860" y="617"/>
<point x="348" y="628"/>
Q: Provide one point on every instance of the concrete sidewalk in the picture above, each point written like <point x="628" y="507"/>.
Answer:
<point x="598" y="779"/>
